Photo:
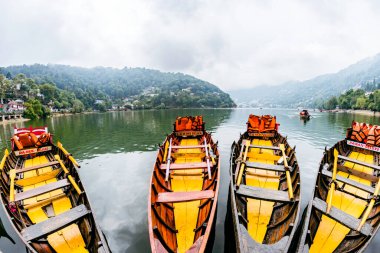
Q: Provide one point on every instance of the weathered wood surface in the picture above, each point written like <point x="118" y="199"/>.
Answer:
<point x="37" y="167"/>
<point x="375" y="167"/>
<point x="348" y="181"/>
<point x="263" y="166"/>
<point x="264" y="147"/>
<point x="188" y="147"/>
<point x="41" y="190"/>
<point x="249" y="245"/>
<point x="174" y="197"/>
<point x="55" y="223"/>
<point x="360" y="174"/>
<point x="181" y="166"/>
<point x="263" y="194"/>
<point x="196" y="246"/>
<point x="341" y="217"/>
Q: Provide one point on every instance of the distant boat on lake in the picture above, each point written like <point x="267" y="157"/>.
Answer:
<point x="304" y="114"/>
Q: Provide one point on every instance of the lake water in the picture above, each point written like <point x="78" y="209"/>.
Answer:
<point x="116" y="151"/>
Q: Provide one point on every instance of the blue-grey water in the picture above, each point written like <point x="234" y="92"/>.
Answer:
<point x="116" y="151"/>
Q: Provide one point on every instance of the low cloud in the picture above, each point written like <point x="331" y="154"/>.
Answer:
<point x="234" y="44"/>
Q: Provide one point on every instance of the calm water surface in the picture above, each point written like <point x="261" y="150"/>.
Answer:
<point x="117" y="150"/>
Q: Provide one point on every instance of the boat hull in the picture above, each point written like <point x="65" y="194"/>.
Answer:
<point x="68" y="211"/>
<point x="166" y="216"/>
<point x="357" y="188"/>
<point x="240" y="213"/>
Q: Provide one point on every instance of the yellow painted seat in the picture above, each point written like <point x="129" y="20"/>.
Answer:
<point x="186" y="213"/>
<point x="260" y="211"/>
<point x="68" y="239"/>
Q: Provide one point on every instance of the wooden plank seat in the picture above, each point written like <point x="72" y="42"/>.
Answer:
<point x="55" y="223"/>
<point x="360" y="174"/>
<point x="41" y="190"/>
<point x="188" y="147"/>
<point x="263" y="156"/>
<point x="341" y="217"/>
<point x="175" y="197"/>
<point x="264" y="166"/>
<point x="347" y="159"/>
<point x="264" y="147"/>
<point x="348" y="181"/>
<point x="181" y="166"/>
<point x="263" y="193"/>
<point x="37" y="179"/>
<point x="199" y="155"/>
<point x="37" y="167"/>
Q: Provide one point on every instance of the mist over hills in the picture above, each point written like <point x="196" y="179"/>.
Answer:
<point x="140" y="87"/>
<point x="310" y="92"/>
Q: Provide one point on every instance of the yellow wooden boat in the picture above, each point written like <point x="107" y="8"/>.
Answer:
<point x="344" y="214"/>
<point x="44" y="198"/>
<point x="184" y="190"/>
<point x="264" y="190"/>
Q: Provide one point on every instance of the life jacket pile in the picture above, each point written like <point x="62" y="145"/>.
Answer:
<point x="263" y="123"/>
<point x="28" y="140"/>
<point x="189" y="123"/>
<point x="364" y="133"/>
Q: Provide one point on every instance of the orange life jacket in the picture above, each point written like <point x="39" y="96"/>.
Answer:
<point x="43" y="140"/>
<point x="197" y="123"/>
<point x="359" y="131"/>
<point x="261" y="124"/>
<point x="377" y="136"/>
<point x="25" y="140"/>
<point x="253" y="123"/>
<point x="269" y="123"/>
<point x="189" y="123"/>
<point x="371" y="136"/>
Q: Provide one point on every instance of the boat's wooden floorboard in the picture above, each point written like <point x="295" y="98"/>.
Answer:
<point x="331" y="233"/>
<point x="186" y="213"/>
<point x="68" y="239"/>
<point x="259" y="211"/>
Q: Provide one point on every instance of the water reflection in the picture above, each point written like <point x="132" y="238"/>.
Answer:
<point x="4" y="233"/>
<point x="88" y="135"/>
<point x="117" y="151"/>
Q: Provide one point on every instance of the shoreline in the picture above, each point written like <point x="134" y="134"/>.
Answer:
<point x="359" y="112"/>
<point x="10" y="121"/>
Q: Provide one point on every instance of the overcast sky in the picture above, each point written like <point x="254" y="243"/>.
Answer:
<point x="233" y="44"/>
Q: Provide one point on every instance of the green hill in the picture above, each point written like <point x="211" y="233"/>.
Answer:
<point x="314" y="91"/>
<point x="136" y="87"/>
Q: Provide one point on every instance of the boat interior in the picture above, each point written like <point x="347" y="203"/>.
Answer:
<point x="45" y="199"/>
<point x="345" y="211"/>
<point x="184" y="192"/>
<point x="266" y="195"/>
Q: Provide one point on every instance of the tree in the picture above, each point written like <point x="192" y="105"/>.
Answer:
<point x="4" y="87"/>
<point x="331" y="103"/>
<point x="361" y="103"/>
<point x="33" y="109"/>
<point x="78" y="106"/>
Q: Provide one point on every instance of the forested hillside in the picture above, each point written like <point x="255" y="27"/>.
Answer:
<point x="131" y="87"/>
<point x="315" y="91"/>
<point x="366" y="98"/>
